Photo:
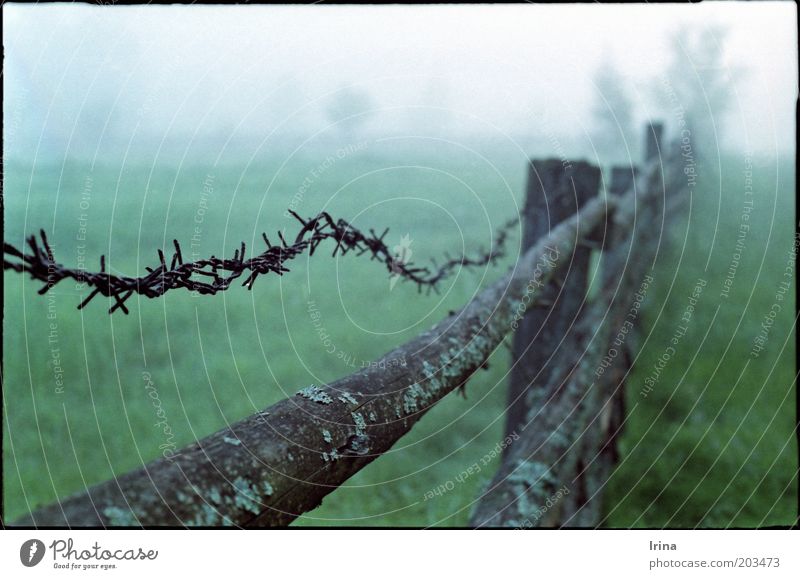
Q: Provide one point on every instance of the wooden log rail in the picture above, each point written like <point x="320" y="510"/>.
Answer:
<point x="271" y="467"/>
<point x="279" y="463"/>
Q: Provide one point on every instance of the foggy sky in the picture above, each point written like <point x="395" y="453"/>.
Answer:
<point x="80" y="80"/>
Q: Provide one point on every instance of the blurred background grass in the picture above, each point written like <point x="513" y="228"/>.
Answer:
<point x="712" y="445"/>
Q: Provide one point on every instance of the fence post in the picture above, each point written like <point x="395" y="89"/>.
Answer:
<point x="554" y="473"/>
<point x="556" y="190"/>
<point x="544" y="387"/>
<point x="622" y="179"/>
<point x="624" y="267"/>
<point x="597" y="453"/>
<point x="653" y="138"/>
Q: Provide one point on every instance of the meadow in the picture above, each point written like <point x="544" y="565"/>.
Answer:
<point x="88" y="396"/>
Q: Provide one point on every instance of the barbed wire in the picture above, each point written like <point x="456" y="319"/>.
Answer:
<point x="40" y="263"/>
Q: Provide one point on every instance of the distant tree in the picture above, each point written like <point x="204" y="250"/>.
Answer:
<point x="349" y="109"/>
<point x="698" y="85"/>
<point x="614" y="136"/>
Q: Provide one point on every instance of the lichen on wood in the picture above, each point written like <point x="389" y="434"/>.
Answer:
<point x="277" y="489"/>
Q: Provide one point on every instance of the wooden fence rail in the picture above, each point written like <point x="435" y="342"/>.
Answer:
<point x="271" y="467"/>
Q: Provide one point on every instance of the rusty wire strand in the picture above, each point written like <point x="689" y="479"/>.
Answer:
<point x="41" y="264"/>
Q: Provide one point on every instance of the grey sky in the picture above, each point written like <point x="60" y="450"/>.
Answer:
<point x="75" y="72"/>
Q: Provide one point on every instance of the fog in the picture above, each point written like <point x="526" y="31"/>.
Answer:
<point x="99" y="82"/>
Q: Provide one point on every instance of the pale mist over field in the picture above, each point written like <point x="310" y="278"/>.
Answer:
<point x="225" y="83"/>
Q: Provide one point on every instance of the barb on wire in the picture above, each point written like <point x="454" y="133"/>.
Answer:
<point x="41" y="264"/>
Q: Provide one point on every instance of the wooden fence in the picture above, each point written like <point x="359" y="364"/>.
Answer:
<point x="572" y="353"/>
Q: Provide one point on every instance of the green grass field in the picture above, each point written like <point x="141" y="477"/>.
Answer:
<point x="710" y="446"/>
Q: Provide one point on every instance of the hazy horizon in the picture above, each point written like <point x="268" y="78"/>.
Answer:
<point x="86" y="80"/>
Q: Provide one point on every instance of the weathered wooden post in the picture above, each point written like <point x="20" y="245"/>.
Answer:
<point x="622" y="179"/>
<point x="625" y="268"/>
<point x="597" y="452"/>
<point x="544" y="390"/>
<point x="569" y="404"/>
<point x="653" y="138"/>
<point x="556" y="190"/>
